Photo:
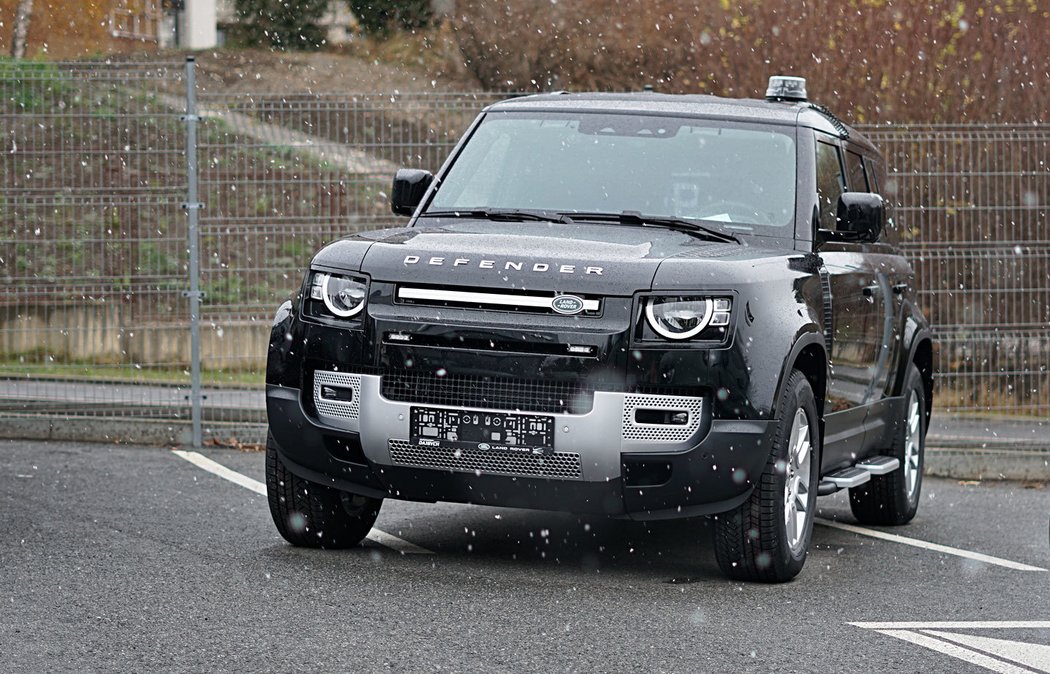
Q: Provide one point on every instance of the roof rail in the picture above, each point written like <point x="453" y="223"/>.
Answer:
<point x="839" y="125"/>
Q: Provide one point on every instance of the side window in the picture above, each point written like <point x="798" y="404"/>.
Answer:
<point x="858" y="180"/>
<point x="830" y="182"/>
<point x="877" y="175"/>
<point x="874" y="179"/>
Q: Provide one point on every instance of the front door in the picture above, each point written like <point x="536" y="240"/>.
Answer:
<point x="855" y="290"/>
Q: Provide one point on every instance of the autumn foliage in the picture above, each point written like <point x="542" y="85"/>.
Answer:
<point x="62" y="29"/>
<point x="872" y="60"/>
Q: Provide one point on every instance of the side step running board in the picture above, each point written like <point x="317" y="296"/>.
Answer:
<point x="854" y="476"/>
<point x="880" y="465"/>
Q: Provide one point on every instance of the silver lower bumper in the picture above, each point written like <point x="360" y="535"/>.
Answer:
<point x="593" y="441"/>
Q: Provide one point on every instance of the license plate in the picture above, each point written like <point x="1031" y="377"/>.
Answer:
<point x="519" y="433"/>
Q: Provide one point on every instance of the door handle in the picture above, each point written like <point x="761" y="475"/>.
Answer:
<point x="900" y="288"/>
<point x="870" y="291"/>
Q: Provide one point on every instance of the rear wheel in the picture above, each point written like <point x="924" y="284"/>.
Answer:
<point x="767" y="537"/>
<point x="893" y="498"/>
<point x="312" y="515"/>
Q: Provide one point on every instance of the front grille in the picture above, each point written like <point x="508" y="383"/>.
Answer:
<point x="560" y="465"/>
<point x="488" y="393"/>
<point x="489" y="300"/>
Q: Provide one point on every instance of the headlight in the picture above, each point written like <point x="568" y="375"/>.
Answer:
<point x="342" y="296"/>
<point x="685" y="317"/>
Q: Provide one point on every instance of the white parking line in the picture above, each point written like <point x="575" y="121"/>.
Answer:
<point x="956" y="651"/>
<point x="958" y="625"/>
<point x="375" y="535"/>
<point x="936" y="547"/>
<point x="216" y="468"/>
<point x="1006" y="656"/>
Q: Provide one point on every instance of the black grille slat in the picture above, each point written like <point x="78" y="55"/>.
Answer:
<point x="488" y="392"/>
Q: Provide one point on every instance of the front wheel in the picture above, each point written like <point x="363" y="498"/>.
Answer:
<point x="893" y="499"/>
<point x="767" y="537"/>
<point x="313" y="515"/>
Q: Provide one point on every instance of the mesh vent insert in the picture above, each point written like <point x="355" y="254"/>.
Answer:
<point x="560" y="465"/>
<point x="632" y="430"/>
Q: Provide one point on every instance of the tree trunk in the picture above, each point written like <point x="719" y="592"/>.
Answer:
<point x="22" y="16"/>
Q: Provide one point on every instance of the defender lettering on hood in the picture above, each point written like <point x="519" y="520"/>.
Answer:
<point x="509" y="265"/>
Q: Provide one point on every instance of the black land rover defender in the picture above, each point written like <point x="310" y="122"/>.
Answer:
<point x="639" y="305"/>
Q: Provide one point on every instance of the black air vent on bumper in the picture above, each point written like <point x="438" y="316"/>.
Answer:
<point x="487" y="392"/>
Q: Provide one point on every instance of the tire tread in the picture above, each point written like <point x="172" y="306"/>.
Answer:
<point x="747" y="539"/>
<point x="883" y="499"/>
<point x="322" y="520"/>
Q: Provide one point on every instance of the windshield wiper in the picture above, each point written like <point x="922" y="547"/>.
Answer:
<point x="677" y="224"/>
<point x="500" y="215"/>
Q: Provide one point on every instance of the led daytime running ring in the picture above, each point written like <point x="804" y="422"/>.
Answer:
<point x="341" y="313"/>
<point x="709" y="309"/>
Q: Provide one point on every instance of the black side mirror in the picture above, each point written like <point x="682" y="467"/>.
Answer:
<point x="861" y="216"/>
<point x="409" y="187"/>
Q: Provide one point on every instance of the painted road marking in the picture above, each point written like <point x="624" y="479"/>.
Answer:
<point x="936" y="547"/>
<point x="960" y="625"/>
<point x="1036" y="656"/>
<point x="216" y="468"/>
<point x="375" y="535"/>
<point x="998" y="655"/>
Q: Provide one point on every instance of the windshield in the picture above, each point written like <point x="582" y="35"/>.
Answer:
<point x="739" y="176"/>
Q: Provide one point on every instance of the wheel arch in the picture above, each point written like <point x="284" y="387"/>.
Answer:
<point x="919" y="340"/>
<point x="922" y="357"/>
<point x="809" y="356"/>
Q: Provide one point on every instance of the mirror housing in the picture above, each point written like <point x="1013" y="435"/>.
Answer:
<point x="409" y="187"/>
<point x="861" y="217"/>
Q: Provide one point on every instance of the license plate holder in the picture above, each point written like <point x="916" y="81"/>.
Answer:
<point x="487" y="431"/>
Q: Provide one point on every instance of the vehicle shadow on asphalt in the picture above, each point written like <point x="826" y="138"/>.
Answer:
<point x="486" y="539"/>
<point x="679" y="551"/>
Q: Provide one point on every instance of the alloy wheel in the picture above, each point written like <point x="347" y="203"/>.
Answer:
<point x="797" y="482"/>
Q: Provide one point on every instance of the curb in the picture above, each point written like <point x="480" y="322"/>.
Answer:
<point x="987" y="463"/>
<point x="129" y="431"/>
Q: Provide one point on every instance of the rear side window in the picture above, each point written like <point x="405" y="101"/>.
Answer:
<point x="858" y="179"/>
<point x="830" y="182"/>
<point x="875" y="180"/>
<point x="877" y="175"/>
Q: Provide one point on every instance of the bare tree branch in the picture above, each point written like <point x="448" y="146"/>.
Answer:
<point x="22" y="17"/>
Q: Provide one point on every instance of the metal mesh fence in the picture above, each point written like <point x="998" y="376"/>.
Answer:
<point x="92" y="240"/>
<point x="93" y="236"/>
<point x="974" y="202"/>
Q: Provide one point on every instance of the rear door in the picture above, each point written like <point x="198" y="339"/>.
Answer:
<point x="894" y="275"/>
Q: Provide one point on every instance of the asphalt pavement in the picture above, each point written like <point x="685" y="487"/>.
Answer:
<point x="124" y="558"/>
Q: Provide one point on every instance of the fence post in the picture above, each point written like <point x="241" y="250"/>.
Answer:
<point x="192" y="207"/>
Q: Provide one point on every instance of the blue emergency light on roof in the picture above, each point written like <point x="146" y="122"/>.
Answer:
<point x="785" y="88"/>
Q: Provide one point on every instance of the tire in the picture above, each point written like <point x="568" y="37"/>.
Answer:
<point x="756" y="541"/>
<point x="893" y="499"/>
<point x="311" y="515"/>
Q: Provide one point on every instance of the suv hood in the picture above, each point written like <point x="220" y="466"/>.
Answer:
<point x="602" y="259"/>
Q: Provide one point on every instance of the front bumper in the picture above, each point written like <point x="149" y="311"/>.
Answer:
<point x="603" y="462"/>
